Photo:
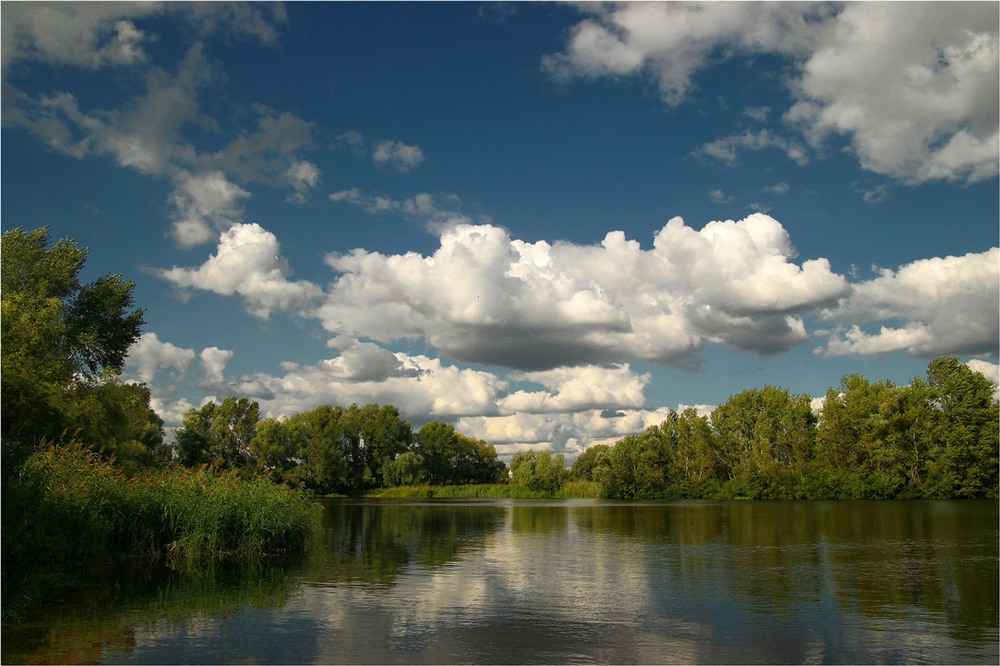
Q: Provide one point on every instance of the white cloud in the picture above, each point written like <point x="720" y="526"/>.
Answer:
<point x="718" y="196"/>
<point x="149" y="356"/>
<point x="913" y="86"/>
<point x="248" y="262"/>
<point x="574" y="389"/>
<point x="213" y="364"/>
<point x="91" y="35"/>
<point x="567" y="432"/>
<point x="945" y="305"/>
<point x="727" y="148"/>
<point x="204" y="203"/>
<point x="88" y="35"/>
<point x="397" y="155"/>
<point x="991" y="370"/>
<point x="436" y="216"/>
<point x="422" y="388"/>
<point x="674" y="41"/>
<point x="486" y="298"/>
<point x="302" y="176"/>
<point x="778" y="188"/>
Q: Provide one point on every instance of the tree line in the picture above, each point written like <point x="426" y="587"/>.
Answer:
<point x="933" y="438"/>
<point x="334" y="449"/>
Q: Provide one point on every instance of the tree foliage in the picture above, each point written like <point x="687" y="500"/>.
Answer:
<point x="933" y="438"/>
<point x="63" y="342"/>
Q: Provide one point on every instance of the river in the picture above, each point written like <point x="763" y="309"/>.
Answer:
<point x="566" y="581"/>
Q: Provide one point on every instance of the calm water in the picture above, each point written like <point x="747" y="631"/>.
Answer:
<point x="569" y="581"/>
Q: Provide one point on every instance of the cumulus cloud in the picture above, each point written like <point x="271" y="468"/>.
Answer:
<point x="574" y="389"/>
<point x="948" y="305"/>
<point x="149" y="355"/>
<point x="991" y="370"/>
<point x="302" y="176"/>
<point x="484" y="297"/>
<point x="248" y="262"/>
<point x="422" y="388"/>
<point x="674" y="41"/>
<point x="912" y="86"/>
<point x="147" y="132"/>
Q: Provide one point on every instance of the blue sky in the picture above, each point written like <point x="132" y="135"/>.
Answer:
<point x="547" y="224"/>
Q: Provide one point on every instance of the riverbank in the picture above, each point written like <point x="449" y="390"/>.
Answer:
<point x="69" y="508"/>
<point x="573" y="489"/>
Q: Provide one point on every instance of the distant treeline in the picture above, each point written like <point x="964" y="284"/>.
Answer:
<point x="934" y="438"/>
<point x="334" y="450"/>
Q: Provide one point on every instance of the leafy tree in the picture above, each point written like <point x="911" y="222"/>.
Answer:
<point x="437" y="442"/>
<point x="55" y="330"/>
<point x="967" y="438"/>
<point x="539" y="470"/>
<point x="586" y="464"/>
<point x="635" y="467"/>
<point x="318" y="437"/>
<point x="272" y="448"/>
<point x="116" y="418"/>
<point x="218" y="434"/>
<point x="382" y="436"/>
<point x="406" y="470"/>
<point x="765" y="438"/>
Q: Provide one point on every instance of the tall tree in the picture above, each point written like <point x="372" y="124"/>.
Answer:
<point x="55" y="330"/>
<point x="967" y="437"/>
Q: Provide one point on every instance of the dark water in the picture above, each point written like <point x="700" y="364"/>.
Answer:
<point x="569" y="581"/>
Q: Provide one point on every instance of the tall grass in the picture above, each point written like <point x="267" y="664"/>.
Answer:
<point x="71" y="507"/>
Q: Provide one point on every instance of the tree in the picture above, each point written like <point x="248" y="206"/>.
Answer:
<point x="318" y="438"/>
<point x="56" y="331"/>
<point x="635" y="467"/>
<point x="586" y="464"/>
<point x="218" y="434"/>
<point x="116" y="418"/>
<point x="765" y="438"/>
<point x="967" y="439"/>
<point x="539" y="470"/>
<point x="437" y="442"/>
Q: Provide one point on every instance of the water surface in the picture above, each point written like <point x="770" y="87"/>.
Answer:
<point x="570" y="581"/>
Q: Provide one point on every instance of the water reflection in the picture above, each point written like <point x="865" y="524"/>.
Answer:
<point x="580" y="581"/>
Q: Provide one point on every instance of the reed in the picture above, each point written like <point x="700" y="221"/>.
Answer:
<point x="74" y="507"/>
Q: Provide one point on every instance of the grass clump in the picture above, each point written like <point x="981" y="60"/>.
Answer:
<point x="68" y="507"/>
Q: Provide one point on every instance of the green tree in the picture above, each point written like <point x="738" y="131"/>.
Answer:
<point x="219" y="434"/>
<point x="437" y="443"/>
<point x="318" y="437"/>
<point x="635" y="467"/>
<point x="272" y="447"/>
<point x="765" y="439"/>
<point x="967" y="437"/>
<point x="406" y="470"/>
<point x="539" y="470"/>
<point x="116" y="418"/>
<point x="55" y="331"/>
<point x="586" y="463"/>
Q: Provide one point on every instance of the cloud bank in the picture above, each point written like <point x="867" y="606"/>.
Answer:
<point x="912" y="87"/>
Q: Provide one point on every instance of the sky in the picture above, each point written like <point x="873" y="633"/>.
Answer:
<point x="547" y="224"/>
